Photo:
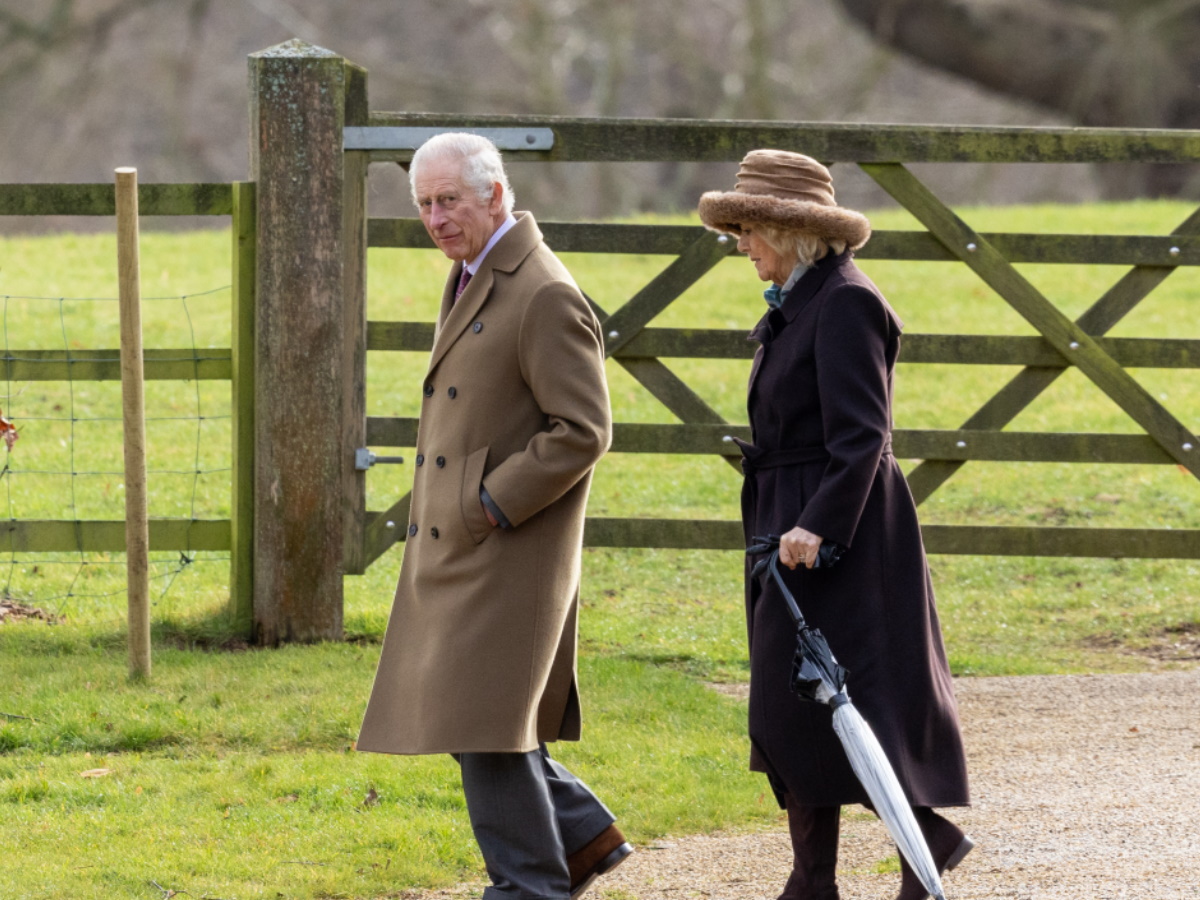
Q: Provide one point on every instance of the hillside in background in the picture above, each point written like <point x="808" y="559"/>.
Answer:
<point x="88" y="85"/>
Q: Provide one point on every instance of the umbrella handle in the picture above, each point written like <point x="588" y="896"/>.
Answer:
<point x="793" y="606"/>
<point x="771" y="563"/>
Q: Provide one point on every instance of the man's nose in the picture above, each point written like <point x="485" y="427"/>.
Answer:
<point x="437" y="215"/>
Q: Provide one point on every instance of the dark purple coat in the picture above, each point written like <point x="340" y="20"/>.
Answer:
<point x="821" y="386"/>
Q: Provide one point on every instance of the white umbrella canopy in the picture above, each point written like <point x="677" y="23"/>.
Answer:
<point x="871" y="766"/>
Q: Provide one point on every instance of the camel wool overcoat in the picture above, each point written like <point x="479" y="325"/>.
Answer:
<point x="479" y="653"/>
<point x="820" y="408"/>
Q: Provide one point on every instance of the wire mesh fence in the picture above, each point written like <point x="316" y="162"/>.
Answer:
<point x="63" y="447"/>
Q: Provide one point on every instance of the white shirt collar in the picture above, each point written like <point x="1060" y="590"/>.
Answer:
<point x="509" y="222"/>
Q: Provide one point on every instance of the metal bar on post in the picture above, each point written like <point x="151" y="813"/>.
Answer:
<point x="137" y="527"/>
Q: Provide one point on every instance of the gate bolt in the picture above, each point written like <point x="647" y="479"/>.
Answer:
<point x="364" y="459"/>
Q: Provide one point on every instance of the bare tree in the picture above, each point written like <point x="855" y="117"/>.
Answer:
<point x="1117" y="63"/>
<point x="89" y="84"/>
<point x="25" y="36"/>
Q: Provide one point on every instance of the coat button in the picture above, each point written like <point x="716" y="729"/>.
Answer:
<point x="433" y="533"/>
<point x="412" y="530"/>
<point x="477" y="327"/>
<point x="428" y="390"/>
<point x="453" y="392"/>
<point x="441" y="462"/>
<point x="420" y="459"/>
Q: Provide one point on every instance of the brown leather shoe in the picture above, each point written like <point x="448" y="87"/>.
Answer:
<point x="601" y="854"/>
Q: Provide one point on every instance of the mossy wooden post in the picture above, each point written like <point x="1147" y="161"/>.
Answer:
<point x="241" y="525"/>
<point x="354" y="380"/>
<point x="133" y="392"/>
<point x="298" y="102"/>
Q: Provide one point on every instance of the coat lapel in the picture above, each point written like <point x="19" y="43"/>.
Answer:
<point x="775" y="320"/>
<point x="455" y="316"/>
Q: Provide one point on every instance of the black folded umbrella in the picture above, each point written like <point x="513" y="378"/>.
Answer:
<point x="817" y="677"/>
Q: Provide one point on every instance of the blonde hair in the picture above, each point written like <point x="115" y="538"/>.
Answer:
<point x="802" y="246"/>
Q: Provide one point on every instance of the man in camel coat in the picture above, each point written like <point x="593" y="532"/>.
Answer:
<point x="479" y="656"/>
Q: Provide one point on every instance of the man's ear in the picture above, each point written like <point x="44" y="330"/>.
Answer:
<point x="497" y="203"/>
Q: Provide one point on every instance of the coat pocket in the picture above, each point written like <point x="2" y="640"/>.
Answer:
<point x="473" y="515"/>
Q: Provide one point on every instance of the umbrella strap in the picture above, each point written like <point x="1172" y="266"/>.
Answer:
<point x="838" y="699"/>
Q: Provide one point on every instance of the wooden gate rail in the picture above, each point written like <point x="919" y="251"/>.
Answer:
<point x="1177" y="249"/>
<point x="696" y="140"/>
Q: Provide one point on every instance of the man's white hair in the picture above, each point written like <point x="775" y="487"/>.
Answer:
<point x="481" y="164"/>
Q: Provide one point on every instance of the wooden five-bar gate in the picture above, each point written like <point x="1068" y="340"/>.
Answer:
<point x="882" y="152"/>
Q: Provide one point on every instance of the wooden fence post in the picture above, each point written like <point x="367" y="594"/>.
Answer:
<point x="297" y="112"/>
<point x="241" y="525"/>
<point x="354" y="379"/>
<point x="133" y="393"/>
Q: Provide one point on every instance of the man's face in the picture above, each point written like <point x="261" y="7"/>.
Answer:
<point x="458" y="221"/>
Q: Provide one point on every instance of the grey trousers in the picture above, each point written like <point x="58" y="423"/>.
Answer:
<point x="528" y="813"/>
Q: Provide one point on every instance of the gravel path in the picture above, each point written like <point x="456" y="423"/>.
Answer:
<point x="1084" y="788"/>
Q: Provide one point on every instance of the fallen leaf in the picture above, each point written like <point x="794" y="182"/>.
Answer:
<point x="95" y="773"/>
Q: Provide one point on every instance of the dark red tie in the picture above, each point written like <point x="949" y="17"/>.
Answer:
<point x="462" y="282"/>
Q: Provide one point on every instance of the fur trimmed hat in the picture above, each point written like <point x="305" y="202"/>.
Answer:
<point x="788" y="191"/>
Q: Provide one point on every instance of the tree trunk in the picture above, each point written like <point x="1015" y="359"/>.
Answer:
<point x="1111" y="63"/>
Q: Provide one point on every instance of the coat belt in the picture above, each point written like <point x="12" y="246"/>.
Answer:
<point x="755" y="458"/>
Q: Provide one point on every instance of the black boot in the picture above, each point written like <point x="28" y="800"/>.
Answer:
<point x="947" y="845"/>
<point x="814" y="831"/>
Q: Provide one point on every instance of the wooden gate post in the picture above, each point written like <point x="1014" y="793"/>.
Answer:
<point x="241" y="525"/>
<point x="298" y="98"/>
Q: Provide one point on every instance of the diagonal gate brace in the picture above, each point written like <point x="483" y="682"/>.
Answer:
<point x="1068" y="338"/>
<point x="1030" y="382"/>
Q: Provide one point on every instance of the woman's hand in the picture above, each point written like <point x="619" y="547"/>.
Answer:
<point x="799" y="548"/>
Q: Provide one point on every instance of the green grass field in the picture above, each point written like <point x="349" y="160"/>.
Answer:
<point x="231" y="774"/>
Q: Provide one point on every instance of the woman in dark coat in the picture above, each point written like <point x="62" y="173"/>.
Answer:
<point x="820" y="471"/>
